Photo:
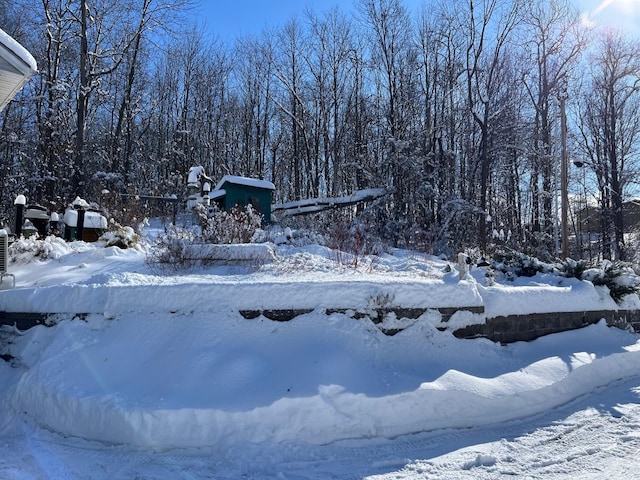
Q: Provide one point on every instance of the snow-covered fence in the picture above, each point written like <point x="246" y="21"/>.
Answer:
<point x="316" y="205"/>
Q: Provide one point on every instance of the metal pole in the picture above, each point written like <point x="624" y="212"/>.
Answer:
<point x="564" y="174"/>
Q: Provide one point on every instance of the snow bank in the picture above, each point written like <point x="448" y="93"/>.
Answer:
<point x="502" y="300"/>
<point x="193" y="381"/>
<point x="126" y="294"/>
<point x="112" y="280"/>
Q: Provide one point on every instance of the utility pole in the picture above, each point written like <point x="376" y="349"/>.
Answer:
<point x="564" y="174"/>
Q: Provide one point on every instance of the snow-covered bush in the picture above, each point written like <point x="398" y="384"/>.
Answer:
<point x="457" y="228"/>
<point x="181" y="249"/>
<point x="354" y="240"/>
<point x="516" y="264"/>
<point x="571" y="268"/>
<point x="171" y="250"/>
<point x="186" y="248"/>
<point x="240" y="225"/>
<point x="120" y="236"/>
<point x="539" y="245"/>
<point x="618" y="277"/>
<point x="26" y="250"/>
<point x="297" y="237"/>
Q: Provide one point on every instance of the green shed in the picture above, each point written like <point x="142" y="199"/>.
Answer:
<point x="233" y="190"/>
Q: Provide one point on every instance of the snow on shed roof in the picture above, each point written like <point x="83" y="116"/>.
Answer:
<point x="217" y="194"/>
<point x="16" y="68"/>
<point x="249" y="182"/>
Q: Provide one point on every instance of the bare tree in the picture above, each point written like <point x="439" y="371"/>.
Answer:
<point x="289" y="70"/>
<point x="554" y="38"/>
<point x="489" y="28"/>
<point x="254" y="77"/>
<point x="394" y="68"/>
<point x="442" y="93"/>
<point x="610" y="129"/>
<point x="390" y="30"/>
<point x="108" y="32"/>
<point x="329" y="60"/>
<point x="54" y="116"/>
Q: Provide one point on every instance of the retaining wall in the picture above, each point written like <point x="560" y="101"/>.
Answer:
<point x="504" y="329"/>
<point x="515" y="328"/>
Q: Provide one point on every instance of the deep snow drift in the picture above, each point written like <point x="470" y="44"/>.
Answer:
<point x="166" y="361"/>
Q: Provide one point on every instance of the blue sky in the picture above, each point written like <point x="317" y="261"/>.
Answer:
<point x="232" y="19"/>
<point x="236" y="18"/>
<point x="620" y="13"/>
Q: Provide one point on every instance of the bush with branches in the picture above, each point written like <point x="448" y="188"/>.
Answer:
<point x="120" y="236"/>
<point x="618" y="277"/>
<point x="185" y="248"/>
<point x="26" y="250"/>
<point x="355" y="240"/>
<point x="571" y="268"/>
<point x="240" y="225"/>
<point x="517" y="264"/>
<point x="173" y="250"/>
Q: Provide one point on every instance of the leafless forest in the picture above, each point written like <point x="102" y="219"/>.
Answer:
<point x="455" y="109"/>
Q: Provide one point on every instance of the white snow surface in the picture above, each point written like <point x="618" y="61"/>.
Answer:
<point x="164" y="378"/>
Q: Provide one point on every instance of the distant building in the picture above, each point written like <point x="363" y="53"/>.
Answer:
<point x="588" y="218"/>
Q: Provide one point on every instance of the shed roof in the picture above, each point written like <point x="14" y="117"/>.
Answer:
<point x="16" y="68"/>
<point x="217" y="194"/>
<point x="249" y="182"/>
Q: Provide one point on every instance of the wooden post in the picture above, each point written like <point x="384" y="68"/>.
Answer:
<point x="19" y="203"/>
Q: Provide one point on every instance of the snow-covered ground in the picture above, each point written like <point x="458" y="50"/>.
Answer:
<point x="164" y="378"/>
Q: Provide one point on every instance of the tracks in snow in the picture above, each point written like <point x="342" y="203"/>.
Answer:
<point x="596" y="434"/>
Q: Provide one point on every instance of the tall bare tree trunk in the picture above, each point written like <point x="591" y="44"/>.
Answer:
<point x="81" y="109"/>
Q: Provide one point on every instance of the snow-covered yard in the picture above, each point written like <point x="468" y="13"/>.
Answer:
<point x="165" y="379"/>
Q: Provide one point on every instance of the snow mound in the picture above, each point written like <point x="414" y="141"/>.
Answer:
<point x="196" y="381"/>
